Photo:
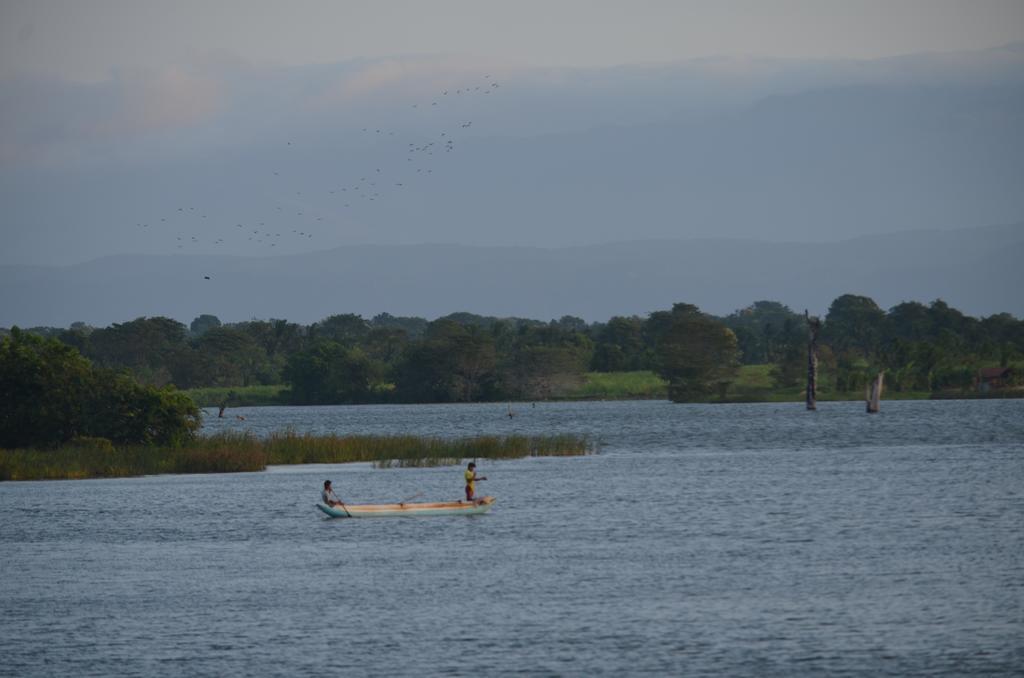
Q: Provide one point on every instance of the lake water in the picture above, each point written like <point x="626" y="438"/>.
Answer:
<point x="700" y="540"/>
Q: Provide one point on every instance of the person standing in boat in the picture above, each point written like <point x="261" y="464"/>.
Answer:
<point x="471" y="478"/>
<point x="328" y="495"/>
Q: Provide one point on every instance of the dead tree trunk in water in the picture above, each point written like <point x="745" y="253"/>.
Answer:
<point x="813" y="325"/>
<point x="874" y="394"/>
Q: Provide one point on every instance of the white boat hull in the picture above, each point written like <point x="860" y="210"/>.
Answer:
<point x="448" y="508"/>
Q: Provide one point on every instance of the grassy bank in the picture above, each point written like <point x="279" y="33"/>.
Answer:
<point x="1002" y="394"/>
<point x="387" y="451"/>
<point x="753" y="384"/>
<point x="620" y="386"/>
<point x="236" y="452"/>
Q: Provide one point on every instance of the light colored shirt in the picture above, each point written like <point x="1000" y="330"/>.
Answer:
<point x="470" y="477"/>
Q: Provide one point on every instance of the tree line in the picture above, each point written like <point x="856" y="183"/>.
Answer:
<point x="922" y="347"/>
<point x="465" y="357"/>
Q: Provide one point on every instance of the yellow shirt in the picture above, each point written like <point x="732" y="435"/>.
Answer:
<point x="470" y="476"/>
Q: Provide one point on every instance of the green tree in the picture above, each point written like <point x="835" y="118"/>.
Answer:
<point x="77" y="336"/>
<point x="546" y="361"/>
<point x="230" y="357"/>
<point x="386" y="344"/>
<point x="790" y="367"/>
<point x="146" y="346"/>
<point x="945" y="317"/>
<point x="347" y="329"/>
<point x="571" y="323"/>
<point x="279" y="339"/>
<point x="423" y="374"/>
<point x="697" y="355"/>
<point x="124" y="411"/>
<point x="1006" y="335"/>
<point x="909" y="321"/>
<point x="620" y="346"/>
<point x="765" y="331"/>
<point x="473" y="361"/>
<point x="328" y="373"/>
<point x="452" y="363"/>
<point x="854" y="323"/>
<point x="413" y="327"/>
<point x="465" y="319"/>
<point x="539" y="372"/>
<point x="203" y="323"/>
<point x="50" y="394"/>
<point x="43" y="388"/>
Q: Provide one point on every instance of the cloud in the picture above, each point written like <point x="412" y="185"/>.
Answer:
<point x="169" y="99"/>
<point x="225" y="102"/>
<point x="407" y="76"/>
<point x="49" y="122"/>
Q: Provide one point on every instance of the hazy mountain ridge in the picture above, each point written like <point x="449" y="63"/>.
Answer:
<point x="976" y="270"/>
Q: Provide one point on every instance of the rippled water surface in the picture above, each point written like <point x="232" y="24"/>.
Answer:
<point x="716" y="540"/>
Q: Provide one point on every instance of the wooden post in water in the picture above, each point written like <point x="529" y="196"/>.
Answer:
<point x="813" y="325"/>
<point x="874" y="393"/>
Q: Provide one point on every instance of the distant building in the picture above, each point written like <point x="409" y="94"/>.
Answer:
<point x="991" y="378"/>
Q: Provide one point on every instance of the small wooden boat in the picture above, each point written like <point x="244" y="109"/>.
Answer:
<point x="444" y="508"/>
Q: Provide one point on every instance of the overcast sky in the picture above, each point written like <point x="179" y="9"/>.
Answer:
<point x="86" y="40"/>
<point x="266" y="128"/>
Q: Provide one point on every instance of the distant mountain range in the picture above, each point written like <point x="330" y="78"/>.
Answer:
<point x="977" y="270"/>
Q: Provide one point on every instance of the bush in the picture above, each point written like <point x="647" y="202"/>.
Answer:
<point x="50" y="394"/>
<point x="43" y="386"/>
<point x="128" y="413"/>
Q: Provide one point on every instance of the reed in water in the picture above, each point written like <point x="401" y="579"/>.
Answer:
<point x="237" y="452"/>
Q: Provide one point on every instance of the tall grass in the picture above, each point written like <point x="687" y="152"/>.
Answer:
<point x="294" y="448"/>
<point x="492" y="447"/>
<point x="205" y="455"/>
<point x="235" y="452"/>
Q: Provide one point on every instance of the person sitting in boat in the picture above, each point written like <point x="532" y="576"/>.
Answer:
<point x="471" y="478"/>
<point x="328" y="495"/>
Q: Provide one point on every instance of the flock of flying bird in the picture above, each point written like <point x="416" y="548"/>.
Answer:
<point x="294" y="218"/>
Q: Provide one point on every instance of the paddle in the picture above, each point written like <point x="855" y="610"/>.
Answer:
<point x="343" y="507"/>
<point x="418" y="494"/>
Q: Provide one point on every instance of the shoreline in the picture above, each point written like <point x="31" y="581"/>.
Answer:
<point x="734" y="400"/>
<point x="754" y="384"/>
